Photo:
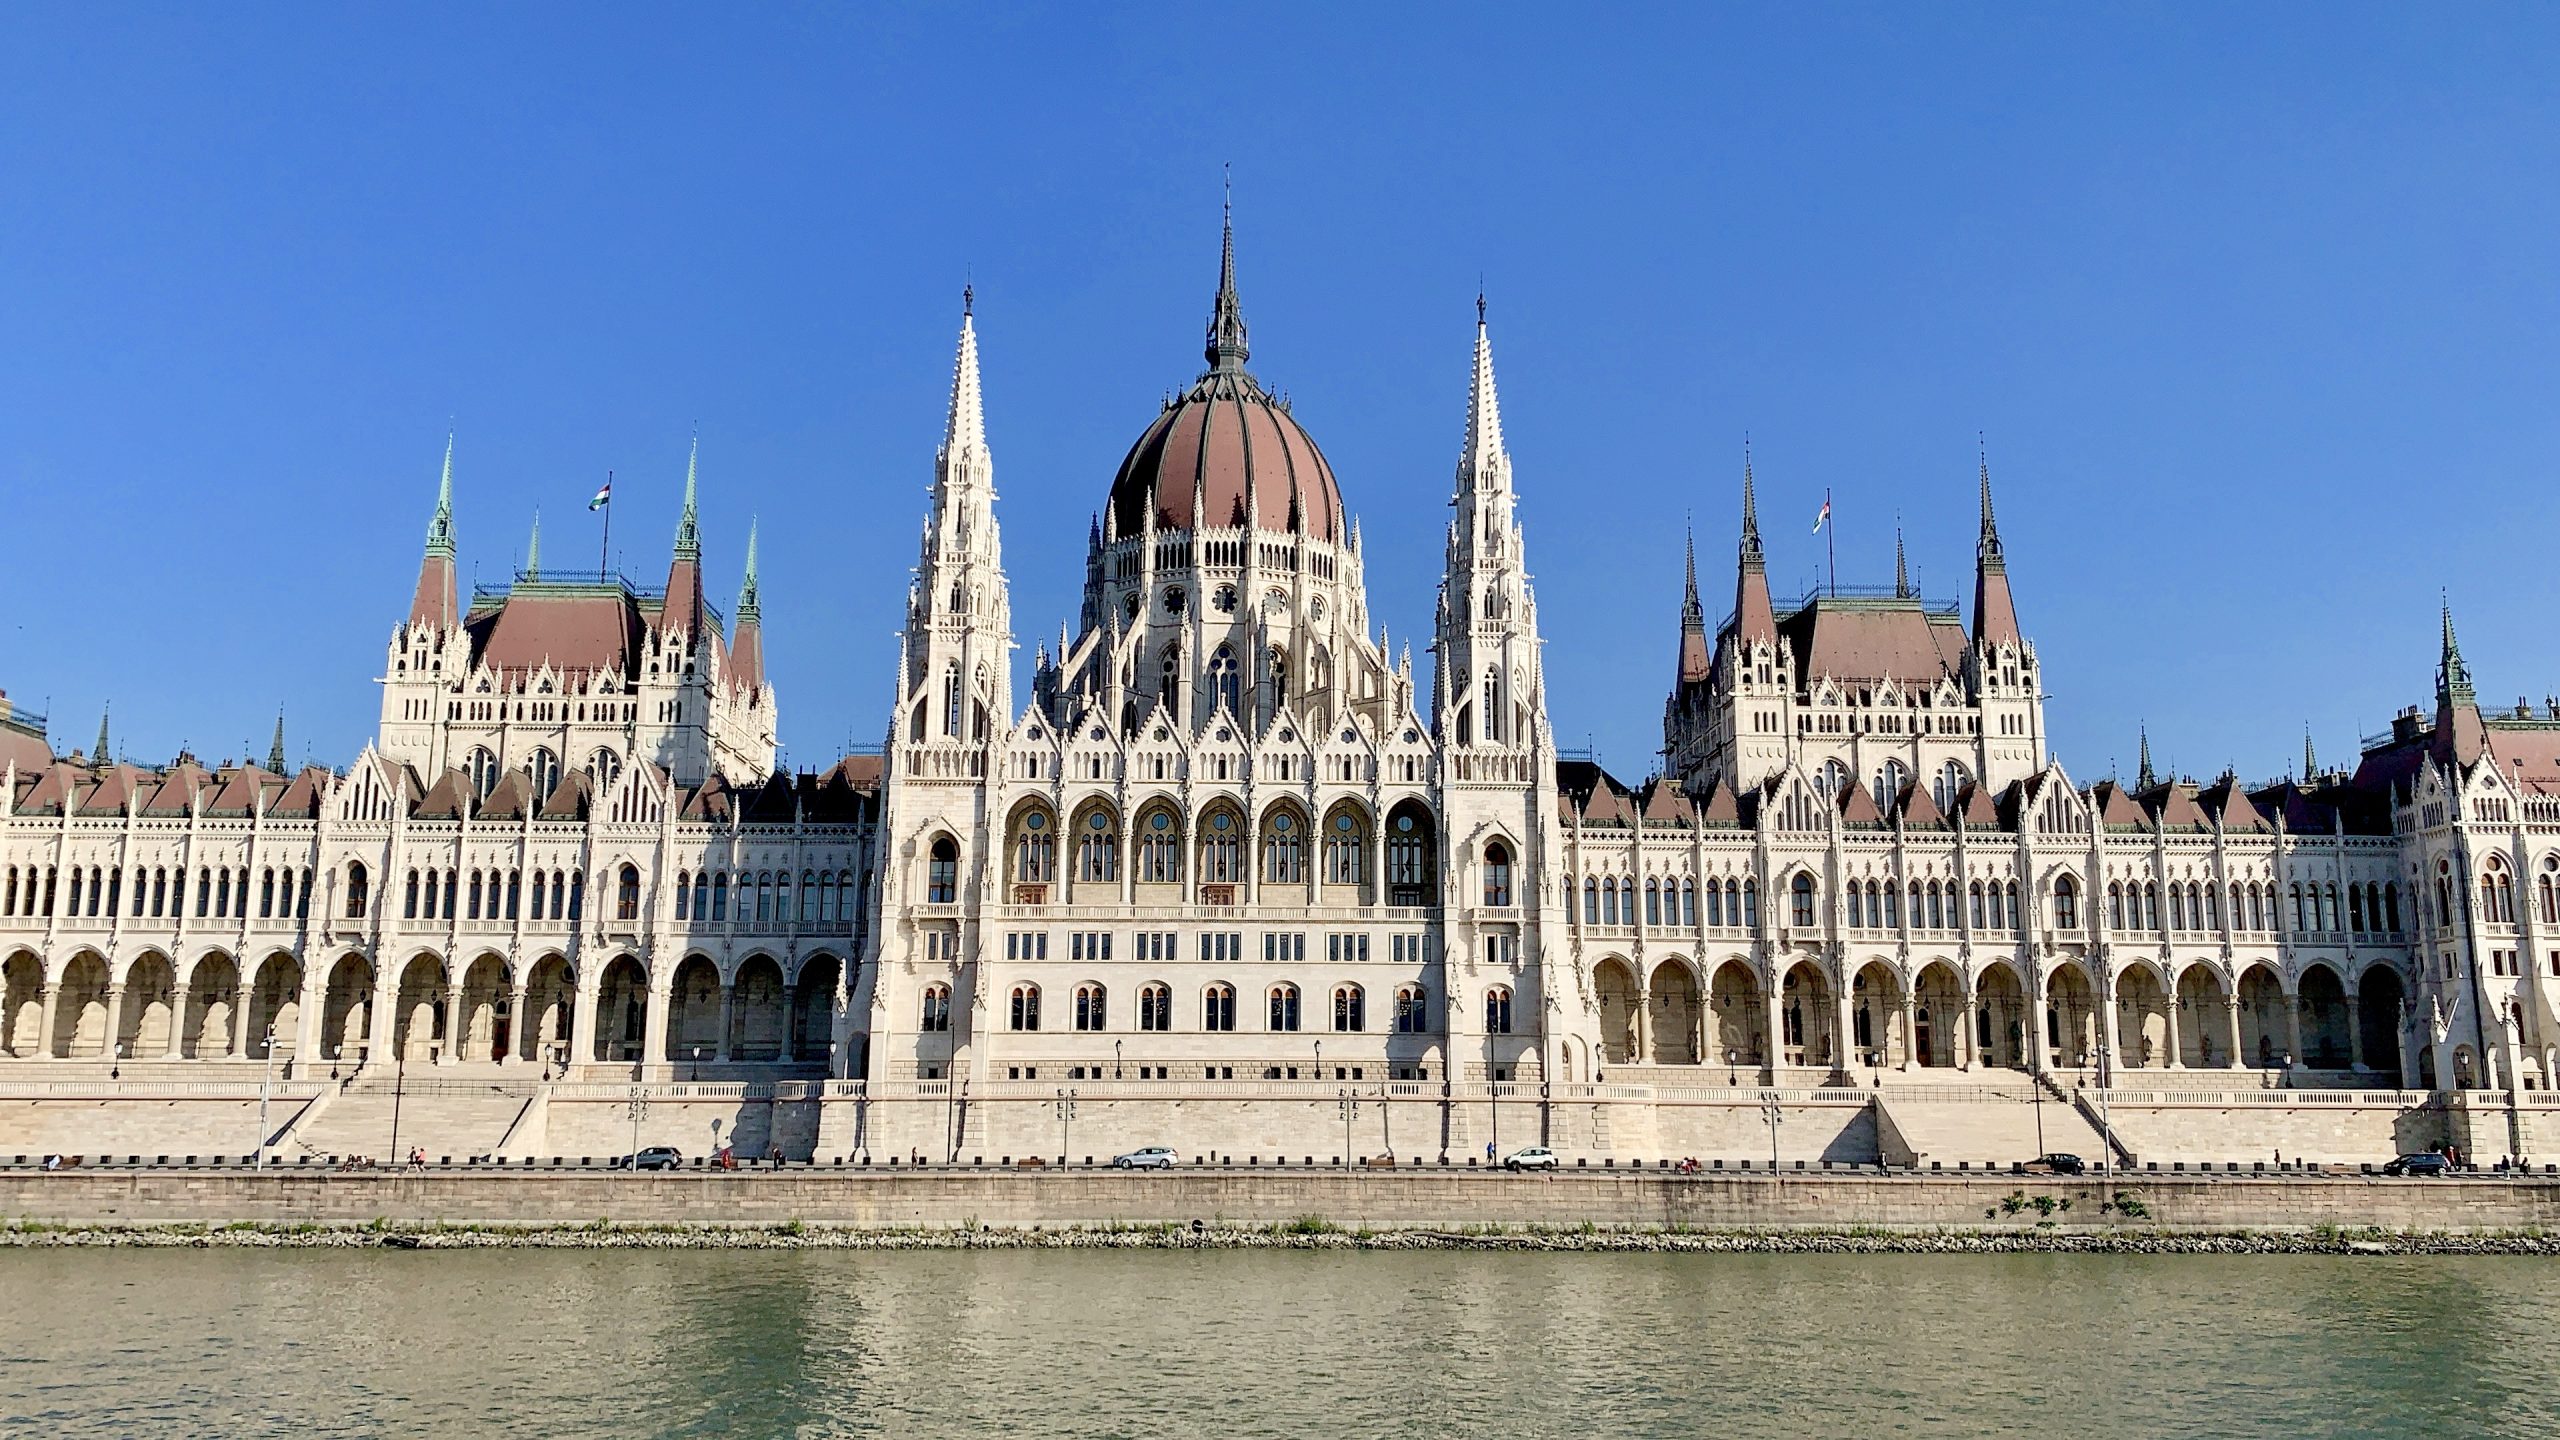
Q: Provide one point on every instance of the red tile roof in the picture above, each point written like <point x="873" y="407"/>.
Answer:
<point x="1870" y="640"/>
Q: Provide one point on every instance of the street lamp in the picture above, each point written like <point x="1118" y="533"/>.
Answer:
<point x="1730" y="1059"/>
<point x="1115" y="1059"/>
<point x="1349" y="1104"/>
<point x="115" y="1063"/>
<point x="638" y="1106"/>
<point x="697" y="1062"/>
<point x="1319" y="1059"/>
<point x="1770" y="1113"/>
<point x="1066" y="1113"/>
<point x="266" y="1087"/>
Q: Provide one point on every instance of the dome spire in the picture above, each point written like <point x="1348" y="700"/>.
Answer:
<point x="1484" y="458"/>
<point x="1226" y="351"/>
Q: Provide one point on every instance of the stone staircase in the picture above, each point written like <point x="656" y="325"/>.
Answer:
<point x="1993" y="1124"/>
<point x="456" y="1118"/>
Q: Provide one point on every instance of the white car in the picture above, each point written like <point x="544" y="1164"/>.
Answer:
<point x="1536" y="1157"/>
<point x="1148" y="1157"/>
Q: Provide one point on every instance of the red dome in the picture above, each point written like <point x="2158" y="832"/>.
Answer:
<point x="1207" y="448"/>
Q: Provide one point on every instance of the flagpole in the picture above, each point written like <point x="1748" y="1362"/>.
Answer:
<point x="1831" y="541"/>
<point x="604" y="552"/>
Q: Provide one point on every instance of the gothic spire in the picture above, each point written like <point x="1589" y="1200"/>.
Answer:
<point x="2310" y="759"/>
<point x="1484" y="459"/>
<point x="1753" y="617"/>
<point x="1226" y="351"/>
<point x="964" y="427"/>
<point x="748" y="607"/>
<point x="689" y="524"/>
<point x="1694" y="661"/>
<point x="1901" y="566"/>
<point x="2453" y="680"/>
<point x="533" y="550"/>
<point x="275" y="747"/>
<point x="103" y="755"/>
<point x="2144" y="779"/>
<point x="436" y="603"/>
<point x="1995" y="613"/>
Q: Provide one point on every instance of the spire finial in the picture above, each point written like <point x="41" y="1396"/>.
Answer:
<point x="689" y="526"/>
<point x="275" y="747"/>
<point x="440" y="526"/>
<point x="2453" y="681"/>
<point x="2145" y="779"/>
<point x="103" y="755"/>
<point x="1750" y="508"/>
<point x="2310" y="758"/>
<point x="1227" y="350"/>
<point x="1901" y="567"/>
<point x="1481" y="460"/>
<point x="749" y="597"/>
<point x="968" y="298"/>
<point x="1988" y="547"/>
<point x="533" y="550"/>
<point x="965" y="428"/>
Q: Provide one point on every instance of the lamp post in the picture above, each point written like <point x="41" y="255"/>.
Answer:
<point x="697" y="1062"/>
<point x="1115" y="1059"/>
<point x="266" y="1087"/>
<point x="1066" y="1114"/>
<point x="1319" y="1060"/>
<point x="1770" y="1113"/>
<point x="1349" y="1104"/>
<point x="638" y="1106"/>
<point x="115" y="1062"/>
<point x="399" y="1084"/>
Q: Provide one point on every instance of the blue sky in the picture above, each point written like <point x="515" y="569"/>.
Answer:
<point x="2257" y="306"/>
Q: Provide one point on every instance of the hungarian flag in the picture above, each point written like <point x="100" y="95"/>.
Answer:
<point x="1819" y="519"/>
<point x="604" y="496"/>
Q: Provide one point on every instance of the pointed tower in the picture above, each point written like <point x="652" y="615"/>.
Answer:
<point x="2144" y="778"/>
<point x="2460" y="737"/>
<point x="1733" y="726"/>
<point x="957" y="686"/>
<point x="533" y="550"/>
<point x="436" y="604"/>
<point x="1754" y="620"/>
<point x="2000" y="664"/>
<point x="1901" y="568"/>
<point x="105" y="753"/>
<point x="1488" y="635"/>
<point x="684" y="610"/>
<point x="746" y="649"/>
<point x="275" y="747"/>
<point x="1696" y="664"/>
<point x="2310" y="757"/>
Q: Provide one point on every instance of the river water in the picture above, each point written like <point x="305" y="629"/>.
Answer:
<point x="1245" y="1344"/>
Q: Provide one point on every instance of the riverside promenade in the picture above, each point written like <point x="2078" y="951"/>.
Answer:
<point x="1417" y="1198"/>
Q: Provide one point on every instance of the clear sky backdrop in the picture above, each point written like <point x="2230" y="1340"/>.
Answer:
<point x="2257" y="306"/>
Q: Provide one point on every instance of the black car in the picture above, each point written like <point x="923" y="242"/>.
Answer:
<point x="2061" y="1163"/>
<point x="655" y="1157"/>
<point x="2425" y="1162"/>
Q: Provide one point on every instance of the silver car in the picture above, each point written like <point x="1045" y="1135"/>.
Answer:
<point x="1146" y="1157"/>
<point x="1536" y="1157"/>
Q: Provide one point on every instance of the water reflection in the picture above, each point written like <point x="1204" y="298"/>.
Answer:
<point x="1246" y="1345"/>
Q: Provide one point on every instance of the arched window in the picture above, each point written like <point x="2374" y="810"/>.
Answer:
<point x="1218" y="1008"/>
<point x="1801" y="888"/>
<point x="1750" y="902"/>
<point x="951" y="698"/>
<point x="1409" y="844"/>
<point x="1026" y="1007"/>
<point x="626" y="899"/>
<point x="1608" y="902"/>
<point x="1155" y="1007"/>
<point x="1409" y="1011"/>
<point x="359" y="889"/>
<point x="719" y="898"/>
<point x="1279" y="664"/>
<point x="1652" y="901"/>
<point x="942" y="872"/>
<point x="606" y="767"/>
<point x="1493" y="731"/>
<point x="481" y="768"/>
<point x="1159" y="850"/>
<point x="2444" y="893"/>
<point x="1949" y="787"/>
<point x="1093" y="1009"/>
<point x="1169" y="681"/>
<point x="1497" y="880"/>
<point x="1222" y="680"/>
<point x="1497" y="1010"/>
<point x="1350" y="1008"/>
<point x="1345" y="851"/>
<point x="1590" y="901"/>
<point x="1219" y="850"/>
<point x="1833" y="778"/>
<point x="2066" y="903"/>
<point x="1035" y="850"/>
<point x="937" y="1009"/>
<point x="2546" y="889"/>
<point x="1974" y="913"/>
<point x="544" y="767"/>
<point x="2115" y="905"/>
<point x="1689" y="904"/>
<point x="1284" y="1007"/>
<point x="1098" y="850"/>
<point x="1284" y="851"/>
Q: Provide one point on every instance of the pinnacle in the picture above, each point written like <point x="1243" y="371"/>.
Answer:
<point x="440" y="525"/>
<point x="689" y="525"/>
<point x="1484" y="452"/>
<point x="965" y="426"/>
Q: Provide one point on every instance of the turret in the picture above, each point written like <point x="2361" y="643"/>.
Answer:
<point x="436" y="604"/>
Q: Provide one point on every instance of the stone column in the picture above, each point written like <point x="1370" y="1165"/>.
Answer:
<point x="1910" y="1030"/>
<point x="115" y="1020"/>
<point x="2231" y="1027"/>
<point x="2039" y="1054"/>
<point x="177" y="1023"/>
<point x="2293" y="1028"/>
<point x="790" y="994"/>
<point x="1776" y="1041"/>
<point x="239" y="1047"/>
<point x="582" y="1017"/>
<point x="728" y="1014"/>
<point x="1642" y="1047"/>
<point x="382" y="1026"/>
<point x="1843" y="1050"/>
<point x="520" y="1025"/>
<point x="457" y="1026"/>
<point x="2110" y="1034"/>
<point x="2355" y="1031"/>
<point x="653" y="1024"/>
<point x="2177" y="1055"/>
<point x="1968" y="1045"/>
<point x="46" y="997"/>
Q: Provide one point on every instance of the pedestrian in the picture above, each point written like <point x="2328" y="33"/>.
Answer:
<point x="773" y="1156"/>
<point x="1488" y="1152"/>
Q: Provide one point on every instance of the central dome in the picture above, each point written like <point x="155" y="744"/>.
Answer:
<point x="1226" y="453"/>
